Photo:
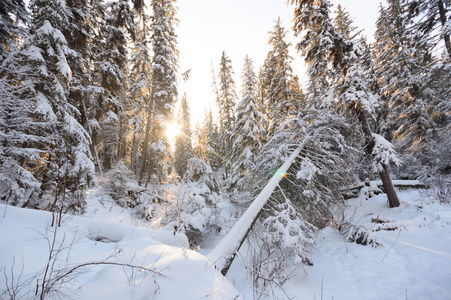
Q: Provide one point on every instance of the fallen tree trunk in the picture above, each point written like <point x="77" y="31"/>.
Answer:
<point x="224" y="253"/>
<point x="353" y="191"/>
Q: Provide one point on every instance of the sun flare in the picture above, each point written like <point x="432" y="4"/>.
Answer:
<point x="172" y="131"/>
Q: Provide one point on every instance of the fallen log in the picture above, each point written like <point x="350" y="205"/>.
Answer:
<point x="224" y="253"/>
<point x="353" y="191"/>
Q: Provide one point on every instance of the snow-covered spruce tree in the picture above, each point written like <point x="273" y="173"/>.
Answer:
<point x="317" y="50"/>
<point x="320" y="37"/>
<point x="49" y="142"/>
<point x="163" y="90"/>
<point x="226" y="102"/>
<point x="111" y="72"/>
<point x="262" y="90"/>
<point x="81" y="35"/>
<point x="11" y="13"/>
<point x="343" y="23"/>
<point x="439" y="112"/>
<point x="208" y="142"/>
<point x="278" y="75"/>
<point x="249" y="130"/>
<point x="198" y="201"/>
<point x="404" y="60"/>
<point x="17" y="183"/>
<point x="434" y="21"/>
<point x="21" y="137"/>
<point x="400" y="61"/>
<point x="183" y="146"/>
<point x="140" y="87"/>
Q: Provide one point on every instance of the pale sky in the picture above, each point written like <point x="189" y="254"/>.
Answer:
<point x="240" y="27"/>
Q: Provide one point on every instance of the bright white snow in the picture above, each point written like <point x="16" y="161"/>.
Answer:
<point x="106" y="233"/>
<point x="413" y="263"/>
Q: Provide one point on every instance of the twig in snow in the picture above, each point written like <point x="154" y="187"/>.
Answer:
<point x="390" y="247"/>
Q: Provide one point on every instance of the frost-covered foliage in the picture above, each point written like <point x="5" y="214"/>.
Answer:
<point x="157" y="165"/>
<point x="383" y="153"/>
<point x="282" y="101"/>
<point x="200" y="173"/>
<point x="116" y="184"/>
<point x="39" y="127"/>
<point x="193" y="209"/>
<point x="414" y="83"/>
<point x="120" y="187"/>
<point x="11" y="11"/>
<point x="279" y="245"/>
<point x="249" y="130"/>
<point x="310" y="188"/>
<point x="325" y="163"/>
<point x="358" y="234"/>
<point x="287" y="231"/>
<point x="17" y="184"/>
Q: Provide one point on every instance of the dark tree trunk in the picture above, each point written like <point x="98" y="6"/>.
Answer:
<point x="388" y="186"/>
<point x="384" y="174"/>
<point x="146" y="144"/>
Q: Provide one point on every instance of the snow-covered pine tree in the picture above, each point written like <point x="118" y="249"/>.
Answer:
<point x="408" y="79"/>
<point x="46" y="139"/>
<point x="226" y="101"/>
<point x="81" y="36"/>
<point x="249" y="130"/>
<point x="434" y="21"/>
<point x="140" y="87"/>
<point x="227" y="95"/>
<point x="208" y="141"/>
<point x="398" y="72"/>
<point x="316" y="49"/>
<point x="343" y="23"/>
<point x="17" y="183"/>
<point x="21" y="137"/>
<point x="183" y="146"/>
<point x="262" y="90"/>
<point x="319" y="37"/>
<point x="111" y="68"/>
<point x="278" y="74"/>
<point x="399" y="62"/>
<point x="11" y="13"/>
<point x="163" y="89"/>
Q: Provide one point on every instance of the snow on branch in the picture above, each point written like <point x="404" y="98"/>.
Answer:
<point x="383" y="153"/>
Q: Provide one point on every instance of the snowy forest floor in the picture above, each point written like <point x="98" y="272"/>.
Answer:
<point x="414" y="261"/>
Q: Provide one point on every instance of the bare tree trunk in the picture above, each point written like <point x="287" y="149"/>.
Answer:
<point x="146" y="143"/>
<point x="389" y="188"/>
<point x="384" y="174"/>
<point x="122" y="144"/>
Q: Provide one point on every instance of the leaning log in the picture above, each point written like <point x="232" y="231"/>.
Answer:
<point x="224" y="253"/>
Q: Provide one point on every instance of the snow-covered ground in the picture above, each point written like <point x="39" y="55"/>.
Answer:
<point x="105" y="234"/>
<point x="413" y="263"/>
